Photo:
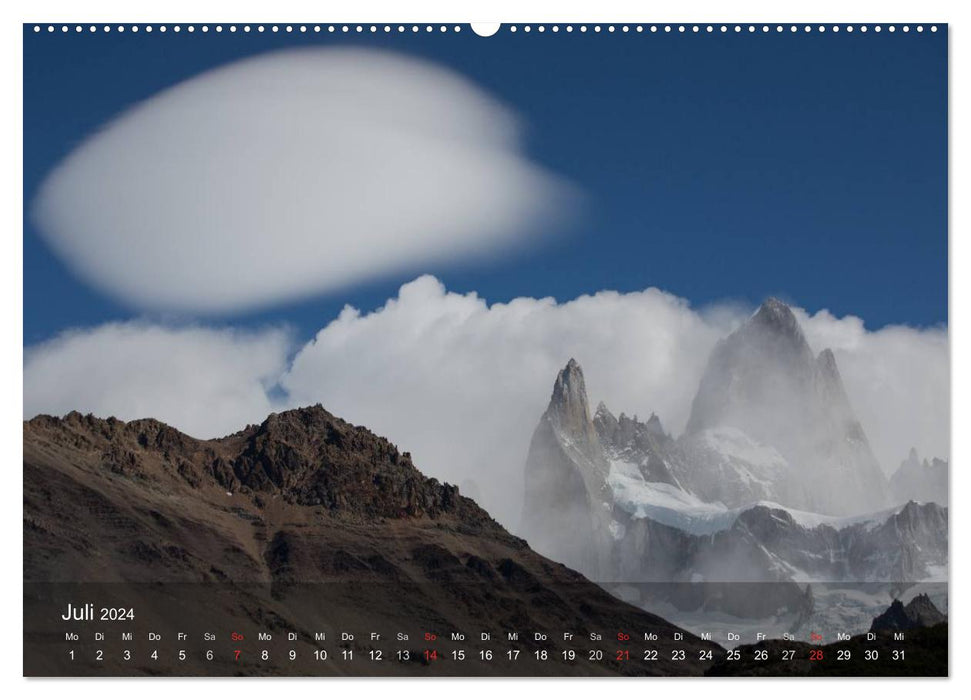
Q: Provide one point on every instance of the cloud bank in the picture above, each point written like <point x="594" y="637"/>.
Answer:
<point x="205" y="382"/>
<point x="290" y="174"/>
<point x="461" y="384"/>
<point x="898" y="379"/>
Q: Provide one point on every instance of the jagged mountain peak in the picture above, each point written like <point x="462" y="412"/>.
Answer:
<point x="654" y="425"/>
<point x="606" y="422"/>
<point x="565" y="475"/>
<point x="830" y="386"/>
<point x="829" y="371"/>
<point x="765" y="360"/>
<point x="775" y="325"/>
<point x="776" y="313"/>
<point x="827" y="360"/>
<point x="765" y="381"/>
<point x="307" y="424"/>
<point x="620" y="431"/>
<point x="304" y="414"/>
<point x="569" y="378"/>
<point x="919" y="479"/>
<point x="568" y="407"/>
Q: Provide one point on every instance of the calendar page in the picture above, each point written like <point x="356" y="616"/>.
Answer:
<point x="485" y="350"/>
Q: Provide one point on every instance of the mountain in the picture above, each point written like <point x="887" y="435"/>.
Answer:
<point x="626" y="439"/>
<point x="698" y="522"/>
<point x="764" y="384"/>
<point x="919" y="612"/>
<point x="300" y="524"/>
<point x="920" y="480"/>
<point x="567" y="501"/>
<point x="617" y="485"/>
<point x="766" y="543"/>
<point x="770" y="421"/>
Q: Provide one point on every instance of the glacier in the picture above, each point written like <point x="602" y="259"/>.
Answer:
<point x="772" y="485"/>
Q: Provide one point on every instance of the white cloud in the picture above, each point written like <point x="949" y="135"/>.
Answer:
<point x="206" y="382"/>
<point x="289" y="174"/>
<point x="898" y="379"/>
<point x="462" y="384"/>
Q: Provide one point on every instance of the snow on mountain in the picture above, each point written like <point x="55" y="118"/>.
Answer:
<point x="674" y="507"/>
<point x="665" y="503"/>
<point x="736" y="445"/>
<point x="729" y="466"/>
<point x="773" y="483"/>
<point x="626" y="439"/>
<point x="609" y="497"/>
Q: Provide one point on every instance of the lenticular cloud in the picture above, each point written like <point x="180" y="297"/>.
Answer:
<point x="290" y="174"/>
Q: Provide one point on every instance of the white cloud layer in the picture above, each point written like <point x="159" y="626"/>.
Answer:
<point x="898" y="379"/>
<point x="204" y="382"/>
<point x="289" y="174"/>
<point x="462" y="384"/>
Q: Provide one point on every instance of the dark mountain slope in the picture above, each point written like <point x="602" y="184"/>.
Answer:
<point x="304" y="523"/>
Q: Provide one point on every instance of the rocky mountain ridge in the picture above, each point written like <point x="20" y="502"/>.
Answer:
<point x="304" y="456"/>
<point x="301" y="523"/>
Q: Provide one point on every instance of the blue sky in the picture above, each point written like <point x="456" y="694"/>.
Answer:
<point x="809" y="166"/>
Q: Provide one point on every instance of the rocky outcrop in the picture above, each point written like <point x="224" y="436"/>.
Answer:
<point x="626" y="439"/>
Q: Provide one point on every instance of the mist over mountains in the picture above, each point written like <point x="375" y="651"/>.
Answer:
<point x="433" y="361"/>
<point x="764" y="381"/>
<point x="922" y="480"/>
<point x="773" y="481"/>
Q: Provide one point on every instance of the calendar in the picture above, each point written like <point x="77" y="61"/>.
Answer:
<point x="179" y="634"/>
<point x="471" y="350"/>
